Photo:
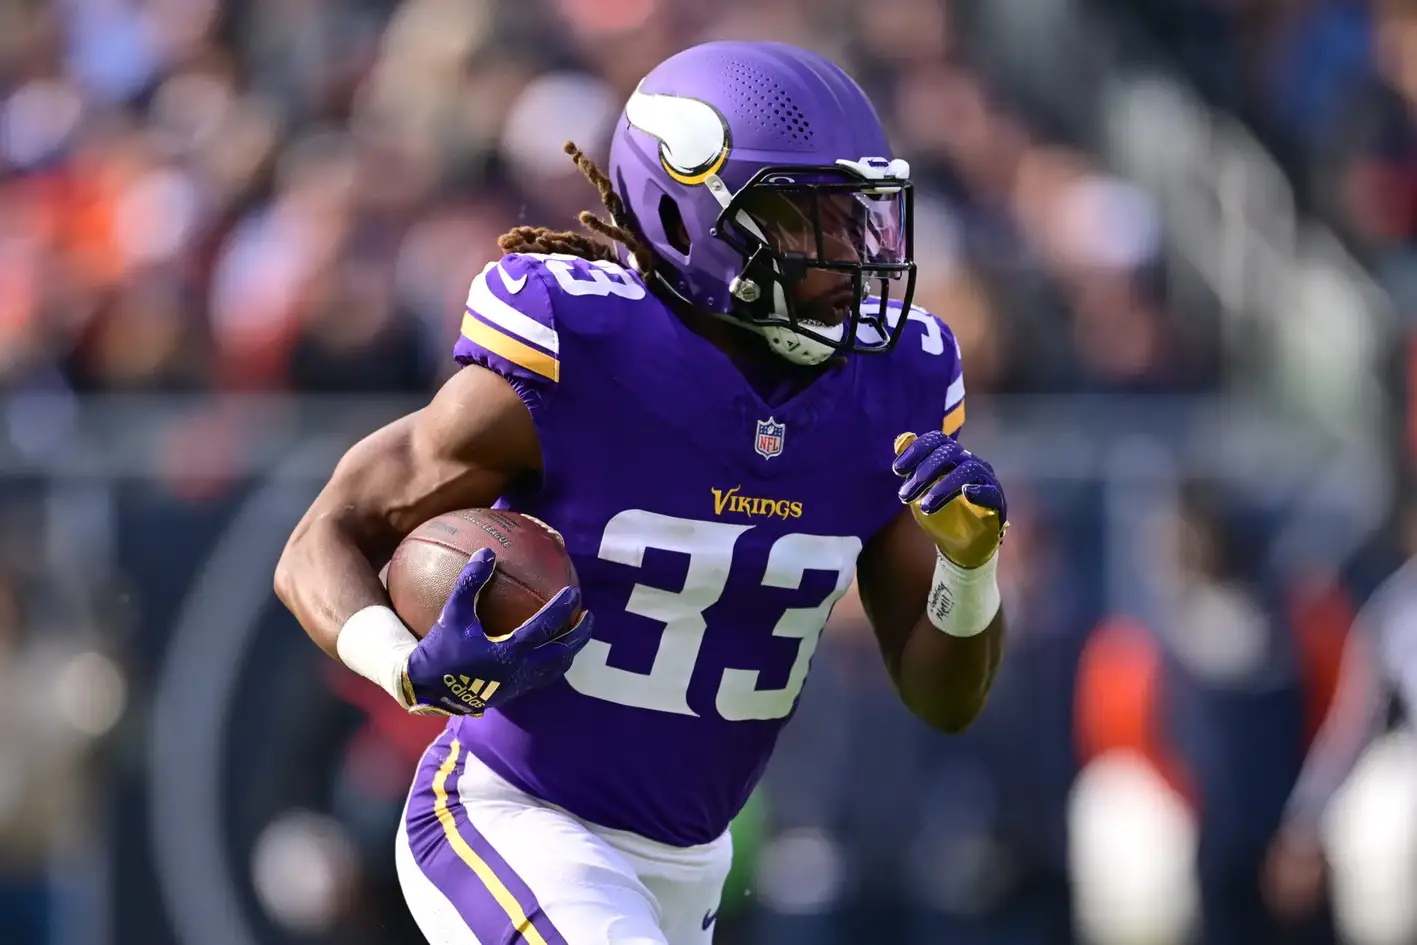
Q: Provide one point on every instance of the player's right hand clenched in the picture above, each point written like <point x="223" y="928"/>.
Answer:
<point x="458" y="670"/>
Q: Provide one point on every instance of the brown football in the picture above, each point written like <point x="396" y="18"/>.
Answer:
<point x="532" y="568"/>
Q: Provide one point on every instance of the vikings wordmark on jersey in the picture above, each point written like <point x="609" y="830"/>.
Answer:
<point x="733" y="502"/>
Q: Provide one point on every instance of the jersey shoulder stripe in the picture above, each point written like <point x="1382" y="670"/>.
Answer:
<point x="954" y="397"/>
<point x="525" y="308"/>
<point x="509" y="323"/>
<point x="496" y="321"/>
<point x="928" y="353"/>
<point x="481" y="299"/>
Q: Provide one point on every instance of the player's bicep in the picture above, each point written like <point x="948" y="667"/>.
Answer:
<point x="894" y="574"/>
<point x="463" y="450"/>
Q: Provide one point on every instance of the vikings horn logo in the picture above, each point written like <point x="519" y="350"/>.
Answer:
<point x="693" y="137"/>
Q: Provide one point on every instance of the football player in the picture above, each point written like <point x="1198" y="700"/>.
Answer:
<point x="1379" y="666"/>
<point x="729" y="409"/>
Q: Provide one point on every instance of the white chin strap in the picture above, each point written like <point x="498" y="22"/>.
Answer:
<point x="794" y="347"/>
<point x="786" y="343"/>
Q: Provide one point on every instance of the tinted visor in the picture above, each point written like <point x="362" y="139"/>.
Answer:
<point x="833" y="224"/>
<point x="791" y="221"/>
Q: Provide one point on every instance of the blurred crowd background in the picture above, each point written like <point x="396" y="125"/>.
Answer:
<point x="1175" y="239"/>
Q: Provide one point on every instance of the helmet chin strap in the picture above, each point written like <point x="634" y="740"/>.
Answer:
<point x="791" y="345"/>
<point x="794" y="347"/>
<point x="783" y="341"/>
<point x="786" y="343"/>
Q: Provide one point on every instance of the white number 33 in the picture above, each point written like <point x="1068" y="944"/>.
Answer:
<point x="709" y="547"/>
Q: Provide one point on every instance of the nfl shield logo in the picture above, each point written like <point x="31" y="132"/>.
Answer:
<point x="769" y="439"/>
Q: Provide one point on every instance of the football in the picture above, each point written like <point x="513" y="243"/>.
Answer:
<point x="532" y="568"/>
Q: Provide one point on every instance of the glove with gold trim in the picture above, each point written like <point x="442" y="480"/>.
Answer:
<point x="955" y="495"/>
<point x="957" y="498"/>
<point x="457" y="669"/>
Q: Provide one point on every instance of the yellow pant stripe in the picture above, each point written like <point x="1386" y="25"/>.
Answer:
<point x="468" y="855"/>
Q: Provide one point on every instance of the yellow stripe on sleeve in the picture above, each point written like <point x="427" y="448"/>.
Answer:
<point x="468" y="855"/>
<point x="954" y="420"/>
<point x="510" y="348"/>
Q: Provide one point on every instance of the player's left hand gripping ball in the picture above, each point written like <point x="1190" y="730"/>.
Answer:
<point x="457" y="669"/>
<point x="955" y="496"/>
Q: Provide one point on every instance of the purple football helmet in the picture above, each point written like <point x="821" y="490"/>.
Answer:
<point x="751" y="166"/>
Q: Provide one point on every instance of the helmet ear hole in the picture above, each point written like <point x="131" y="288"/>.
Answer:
<point x="673" y="223"/>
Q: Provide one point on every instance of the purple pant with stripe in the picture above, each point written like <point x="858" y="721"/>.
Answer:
<point x="483" y="863"/>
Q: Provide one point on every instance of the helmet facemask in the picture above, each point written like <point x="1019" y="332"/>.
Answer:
<point x="793" y="223"/>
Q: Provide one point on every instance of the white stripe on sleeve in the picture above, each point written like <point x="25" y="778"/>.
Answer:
<point x="955" y="394"/>
<point x="481" y="300"/>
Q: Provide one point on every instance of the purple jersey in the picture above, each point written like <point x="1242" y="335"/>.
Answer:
<point x="712" y="533"/>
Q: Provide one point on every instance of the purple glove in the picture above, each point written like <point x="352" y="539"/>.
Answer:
<point x="937" y="469"/>
<point x="457" y="670"/>
<point x="954" y="495"/>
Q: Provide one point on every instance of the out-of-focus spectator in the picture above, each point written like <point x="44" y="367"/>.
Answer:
<point x="1219" y="701"/>
<point x="55" y="697"/>
<point x="202" y="178"/>
<point x="1379" y="666"/>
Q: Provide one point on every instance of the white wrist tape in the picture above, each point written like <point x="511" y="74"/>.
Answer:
<point x="963" y="601"/>
<point x="376" y="644"/>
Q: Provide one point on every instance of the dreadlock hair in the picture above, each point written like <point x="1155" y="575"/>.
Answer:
<point x="540" y="239"/>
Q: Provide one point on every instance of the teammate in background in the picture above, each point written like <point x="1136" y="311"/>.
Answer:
<point x="723" y="409"/>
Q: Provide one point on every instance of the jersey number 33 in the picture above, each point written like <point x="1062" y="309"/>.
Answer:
<point x="709" y="547"/>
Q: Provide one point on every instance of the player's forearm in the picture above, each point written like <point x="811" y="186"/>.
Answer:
<point x="325" y="577"/>
<point x="940" y="626"/>
<point x="945" y="680"/>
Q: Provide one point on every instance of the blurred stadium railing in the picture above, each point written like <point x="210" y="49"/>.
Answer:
<point x="224" y="785"/>
<point x="1245" y="251"/>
